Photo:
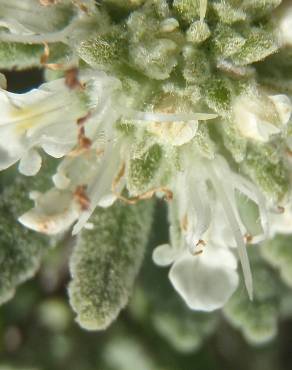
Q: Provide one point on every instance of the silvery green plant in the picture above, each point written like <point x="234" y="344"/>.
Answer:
<point x="185" y="100"/>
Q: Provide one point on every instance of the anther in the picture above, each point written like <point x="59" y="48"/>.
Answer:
<point x="81" y="197"/>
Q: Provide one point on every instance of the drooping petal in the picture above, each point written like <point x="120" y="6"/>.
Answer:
<point x="45" y="117"/>
<point x="100" y="185"/>
<point x="54" y="212"/>
<point x="205" y="281"/>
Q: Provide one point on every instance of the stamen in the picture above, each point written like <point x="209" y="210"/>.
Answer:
<point x="199" y="205"/>
<point x="53" y="66"/>
<point x="147" y="195"/>
<point x="235" y="228"/>
<point x="71" y="79"/>
<point x="81" y="197"/>
<point x="201" y="242"/>
<point x="170" y="117"/>
<point x="248" y="238"/>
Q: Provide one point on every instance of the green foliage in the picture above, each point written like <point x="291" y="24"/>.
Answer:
<point x="187" y="10"/>
<point x="278" y="252"/>
<point x="104" y="51"/>
<point x="259" y="44"/>
<point x="20" y="249"/>
<point x="22" y="56"/>
<point x="203" y="142"/>
<point x="198" y="32"/>
<point x="228" y="13"/>
<point x="260" y="8"/>
<point x="105" y="262"/>
<point x="156" y="48"/>
<point x="218" y="95"/>
<point x="233" y="142"/>
<point x="125" y="350"/>
<point x="19" y="56"/>
<point x="257" y="319"/>
<point x="227" y="41"/>
<point x="196" y="67"/>
<point x="156" y="58"/>
<point x="144" y="170"/>
<point x="264" y="166"/>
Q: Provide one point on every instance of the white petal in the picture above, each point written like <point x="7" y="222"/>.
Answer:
<point x="60" y="180"/>
<point x="283" y="106"/>
<point x="107" y="200"/>
<point x="205" y="281"/>
<point x="53" y="213"/>
<point x="252" y="120"/>
<point x="171" y="117"/>
<point x="101" y="184"/>
<point x="57" y="150"/>
<point x="30" y="163"/>
<point x="163" y="255"/>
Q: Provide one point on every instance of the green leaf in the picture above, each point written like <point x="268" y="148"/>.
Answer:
<point x="14" y="55"/>
<point x="20" y="249"/>
<point x="218" y="95"/>
<point x="263" y="164"/>
<point x="227" y="13"/>
<point x="187" y="10"/>
<point x="19" y="56"/>
<point x="105" y="51"/>
<point x="143" y="171"/>
<point x="278" y="252"/>
<point x="105" y="263"/>
<point x="259" y="44"/>
<point x="257" y="319"/>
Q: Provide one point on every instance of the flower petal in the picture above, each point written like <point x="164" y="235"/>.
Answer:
<point x="205" y="281"/>
<point x="163" y="255"/>
<point x="30" y="163"/>
<point x="54" y="212"/>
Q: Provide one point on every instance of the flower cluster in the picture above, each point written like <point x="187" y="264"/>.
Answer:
<point x="180" y="99"/>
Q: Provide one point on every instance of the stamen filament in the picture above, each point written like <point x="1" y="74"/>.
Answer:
<point x="236" y="230"/>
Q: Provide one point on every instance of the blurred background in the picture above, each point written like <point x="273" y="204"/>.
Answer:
<point x="156" y="331"/>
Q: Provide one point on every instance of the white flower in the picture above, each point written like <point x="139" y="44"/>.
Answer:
<point x="203" y="184"/>
<point x="259" y="118"/>
<point x="82" y="184"/>
<point x="205" y="280"/>
<point x="45" y="117"/>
